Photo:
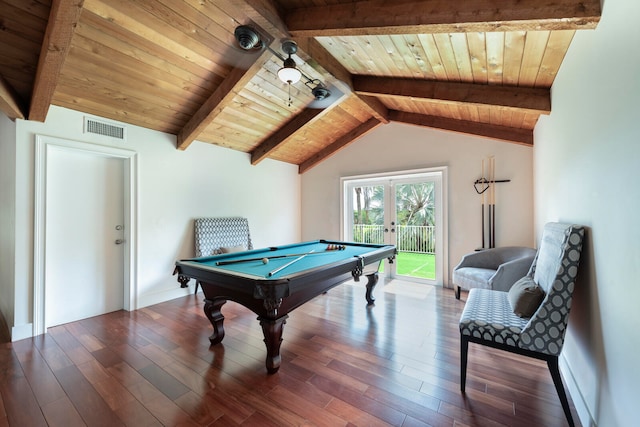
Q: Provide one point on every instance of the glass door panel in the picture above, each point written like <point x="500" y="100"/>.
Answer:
<point x="415" y="229"/>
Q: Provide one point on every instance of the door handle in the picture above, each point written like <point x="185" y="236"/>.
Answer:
<point x="119" y="241"/>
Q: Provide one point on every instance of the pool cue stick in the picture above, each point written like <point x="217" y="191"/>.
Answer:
<point x="271" y="273"/>
<point x="489" y="202"/>
<point x="492" y="206"/>
<point x="494" y="202"/>
<point x="237" y="261"/>
<point x="482" y="201"/>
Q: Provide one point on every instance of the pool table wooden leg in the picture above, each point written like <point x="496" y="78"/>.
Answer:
<point x="212" y="311"/>
<point x="272" y="330"/>
<point x="371" y="283"/>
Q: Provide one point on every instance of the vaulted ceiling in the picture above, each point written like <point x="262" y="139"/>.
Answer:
<point x="481" y="67"/>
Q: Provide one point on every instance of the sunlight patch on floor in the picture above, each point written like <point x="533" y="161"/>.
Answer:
<point x="398" y="287"/>
<point x="408" y="289"/>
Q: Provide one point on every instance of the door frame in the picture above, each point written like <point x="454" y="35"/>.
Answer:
<point x="442" y="235"/>
<point x="45" y="144"/>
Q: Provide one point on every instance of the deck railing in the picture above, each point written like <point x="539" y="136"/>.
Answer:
<point x="410" y="238"/>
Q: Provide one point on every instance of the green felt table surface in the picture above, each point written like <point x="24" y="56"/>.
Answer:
<point x="320" y="256"/>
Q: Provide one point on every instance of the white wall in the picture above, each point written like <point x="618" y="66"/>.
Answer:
<point x="395" y="147"/>
<point x="174" y="187"/>
<point x="587" y="169"/>
<point x="7" y="214"/>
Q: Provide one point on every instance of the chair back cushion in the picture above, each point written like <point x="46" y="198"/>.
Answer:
<point x="214" y="234"/>
<point x="554" y="269"/>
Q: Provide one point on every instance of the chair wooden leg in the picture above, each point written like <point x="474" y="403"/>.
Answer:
<point x="197" y="284"/>
<point x="457" y="291"/>
<point x="464" y="348"/>
<point x="557" y="381"/>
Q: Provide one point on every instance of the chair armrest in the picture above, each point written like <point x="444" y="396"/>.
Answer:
<point x="510" y="272"/>
<point x="482" y="259"/>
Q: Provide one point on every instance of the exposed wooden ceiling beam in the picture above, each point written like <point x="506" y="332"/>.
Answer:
<point x="528" y="100"/>
<point x="281" y="135"/>
<point x="376" y="108"/>
<point x="377" y="17"/>
<point x="63" y="20"/>
<point x="10" y="102"/>
<point x="219" y="99"/>
<point x="503" y="133"/>
<point x="338" y="144"/>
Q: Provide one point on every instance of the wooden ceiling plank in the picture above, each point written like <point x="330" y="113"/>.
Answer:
<point x="38" y="8"/>
<point x="219" y="99"/>
<point x="445" y="48"/>
<point x="495" y="58"/>
<point x="478" y="56"/>
<point x="123" y="40"/>
<point x="557" y="47"/>
<point x="338" y="144"/>
<point x="503" y="133"/>
<point x="527" y="99"/>
<point x="375" y="17"/>
<point x="513" y="51"/>
<point x="390" y="58"/>
<point x="431" y="54"/>
<point x="412" y="55"/>
<point x="460" y="46"/>
<point x="534" y="49"/>
<point x="128" y="75"/>
<point x="62" y="23"/>
<point x="10" y="102"/>
<point x="17" y="21"/>
<point x="134" y="18"/>
<point x="280" y="136"/>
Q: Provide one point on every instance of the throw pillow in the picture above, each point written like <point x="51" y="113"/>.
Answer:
<point x="525" y="297"/>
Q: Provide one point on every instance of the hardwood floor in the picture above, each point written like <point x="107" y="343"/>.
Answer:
<point x="344" y="364"/>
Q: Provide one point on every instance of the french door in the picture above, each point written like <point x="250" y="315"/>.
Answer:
<point x="405" y="209"/>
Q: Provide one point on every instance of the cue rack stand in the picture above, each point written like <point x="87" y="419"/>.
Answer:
<point x="487" y="184"/>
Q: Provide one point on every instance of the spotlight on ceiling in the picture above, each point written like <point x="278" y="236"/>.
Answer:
<point x="320" y="92"/>
<point x="247" y="37"/>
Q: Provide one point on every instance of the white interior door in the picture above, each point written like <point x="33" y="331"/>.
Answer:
<point x="84" y="255"/>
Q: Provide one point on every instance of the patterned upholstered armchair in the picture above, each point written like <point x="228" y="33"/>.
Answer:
<point x="496" y="268"/>
<point x="220" y="235"/>
<point x="489" y="316"/>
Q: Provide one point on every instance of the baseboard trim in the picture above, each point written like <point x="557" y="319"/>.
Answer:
<point x="584" y="414"/>
<point x="148" y="299"/>
<point x="21" y="332"/>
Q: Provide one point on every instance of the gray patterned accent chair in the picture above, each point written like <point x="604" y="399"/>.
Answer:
<point x="496" y="268"/>
<point x="488" y="317"/>
<point x="214" y="236"/>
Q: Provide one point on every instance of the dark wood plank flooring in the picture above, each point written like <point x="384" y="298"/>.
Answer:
<point x="344" y="364"/>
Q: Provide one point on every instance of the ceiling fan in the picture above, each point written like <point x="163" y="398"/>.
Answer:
<point x="249" y="39"/>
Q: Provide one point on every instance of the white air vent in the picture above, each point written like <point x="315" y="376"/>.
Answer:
<point x="104" y="128"/>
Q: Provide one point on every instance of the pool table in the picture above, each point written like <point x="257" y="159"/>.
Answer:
<point x="273" y="281"/>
